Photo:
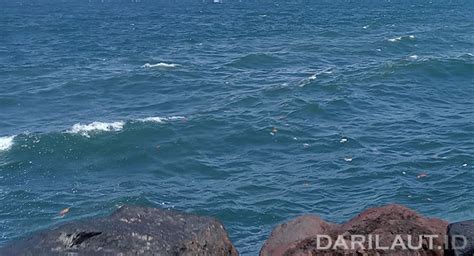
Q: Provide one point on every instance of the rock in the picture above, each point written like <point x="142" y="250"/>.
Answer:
<point x="131" y="231"/>
<point x="286" y="235"/>
<point x="461" y="239"/>
<point x="309" y="235"/>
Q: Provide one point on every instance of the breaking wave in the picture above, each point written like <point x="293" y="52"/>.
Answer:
<point x="160" y="65"/>
<point x="401" y="38"/>
<point x="6" y="142"/>
<point x="87" y="129"/>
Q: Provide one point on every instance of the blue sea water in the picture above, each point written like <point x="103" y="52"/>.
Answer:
<point x="253" y="112"/>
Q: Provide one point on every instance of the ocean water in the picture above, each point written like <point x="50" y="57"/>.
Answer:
<point x="253" y="112"/>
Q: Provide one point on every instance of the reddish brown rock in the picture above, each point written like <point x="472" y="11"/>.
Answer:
<point x="286" y="235"/>
<point x="379" y="227"/>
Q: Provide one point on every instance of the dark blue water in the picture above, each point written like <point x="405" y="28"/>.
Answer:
<point x="252" y="112"/>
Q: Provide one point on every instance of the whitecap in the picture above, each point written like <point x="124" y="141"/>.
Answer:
<point x="6" y="142"/>
<point x="395" y="39"/>
<point x="85" y="129"/>
<point x="158" y="119"/>
<point x="154" y="119"/>
<point x="173" y="118"/>
<point x="366" y="26"/>
<point x="313" y="77"/>
<point x="399" y="38"/>
<point x="160" y="65"/>
<point x="414" y="57"/>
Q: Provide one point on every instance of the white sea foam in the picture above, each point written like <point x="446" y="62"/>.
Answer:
<point x="414" y="57"/>
<point x="157" y="119"/>
<point x="395" y="39"/>
<point x="399" y="38"/>
<point x="6" y="142"/>
<point x="86" y="129"/>
<point x="160" y="65"/>
<point x="313" y="77"/>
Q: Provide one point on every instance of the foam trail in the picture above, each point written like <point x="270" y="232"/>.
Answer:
<point x="157" y="119"/>
<point x="85" y="129"/>
<point x="154" y="119"/>
<point x="313" y="77"/>
<point x="400" y="38"/>
<point x="160" y="65"/>
<point x="395" y="39"/>
<point x="6" y="142"/>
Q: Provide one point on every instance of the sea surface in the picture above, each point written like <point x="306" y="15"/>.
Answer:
<point x="253" y="112"/>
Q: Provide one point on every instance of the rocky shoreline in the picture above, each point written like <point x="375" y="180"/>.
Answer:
<point x="131" y="230"/>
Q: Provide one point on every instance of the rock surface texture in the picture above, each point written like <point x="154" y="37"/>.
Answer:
<point x="303" y="236"/>
<point x="461" y="239"/>
<point x="131" y="231"/>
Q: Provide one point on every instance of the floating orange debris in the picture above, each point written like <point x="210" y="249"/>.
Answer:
<point x="422" y="175"/>
<point x="274" y="131"/>
<point x="64" y="211"/>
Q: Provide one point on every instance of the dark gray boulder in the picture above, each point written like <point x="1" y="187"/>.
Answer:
<point x="461" y="239"/>
<point x="131" y="231"/>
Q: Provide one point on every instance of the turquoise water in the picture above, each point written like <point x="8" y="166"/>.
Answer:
<point x="252" y="112"/>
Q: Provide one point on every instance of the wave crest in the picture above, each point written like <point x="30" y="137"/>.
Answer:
<point x="6" y="142"/>
<point x="400" y="38"/>
<point x="86" y="129"/>
<point x="160" y="65"/>
<point x="313" y="77"/>
<point x="157" y="119"/>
